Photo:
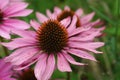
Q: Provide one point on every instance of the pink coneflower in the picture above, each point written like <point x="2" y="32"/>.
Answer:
<point x="8" y="12"/>
<point x="51" y="39"/>
<point x="6" y="71"/>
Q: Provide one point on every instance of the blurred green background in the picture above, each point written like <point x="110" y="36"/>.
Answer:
<point x="108" y="65"/>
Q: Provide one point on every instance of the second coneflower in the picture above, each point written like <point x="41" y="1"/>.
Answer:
<point x="52" y="38"/>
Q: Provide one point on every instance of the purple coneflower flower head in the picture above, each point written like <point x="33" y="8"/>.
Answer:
<point x="6" y="71"/>
<point x="8" y="12"/>
<point x="51" y="39"/>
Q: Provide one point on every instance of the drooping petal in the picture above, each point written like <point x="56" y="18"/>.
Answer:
<point x="49" y="67"/>
<point x="79" y="30"/>
<point x="90" y="46"/>
<point x="67" y="8"/>
<point x="41" y="18"/>
<point x="86" y="37"/>
<point x="29" y="62"/>
<point x="72" y="25"/>
<point x="66" y="22"/>
<point x="83" y="28"/>
<point x="4" y="32"/>
<point x="17" y="53"/>
<point x="35" y="24"/>
<point x="14" y="8"/>
<point x="87" y="18"/>
<point x="41" y="66"/>
<point x="17" y="24"/>
<point x="81" y="54"/>
<point x="48" y="12"/>
<point x="57" y="10"/>
<point x="22" y="13"/>
<point x="71" y="60"/>
<point x="79" y="12"/>
<point x="18" y="43"/>
<point x="62" y="63"/>
<point x="25" y="34"/>
<point x="24" y="57"/>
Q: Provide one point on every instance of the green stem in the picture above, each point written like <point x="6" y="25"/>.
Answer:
<point x="116" y="13"/>
<point x="4" y="48"/>
<point x="68" y="76"/>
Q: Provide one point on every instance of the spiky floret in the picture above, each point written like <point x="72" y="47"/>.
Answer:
<point x="66" y="14"/>
<point x="52" y="36"/>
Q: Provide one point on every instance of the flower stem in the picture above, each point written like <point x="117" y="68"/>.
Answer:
<point x="116" y="13"/>
<point x="4" y="48"/>
<point x="68" y="76"/>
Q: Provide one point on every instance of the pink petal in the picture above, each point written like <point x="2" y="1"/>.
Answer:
<point x="91" y="46"/>
<point x="16" y="7"/>
<point x="25" y="34"/>
<point x="71" y="60"/>
<point x="83" y="28"/>
<point x="87" y="18"/>
<point x="4" y="32"/>
<point x="24" y="56"/>
<point x="72" y="25"/>
<point x="2" y="63"/>
<point x="41" y="66"/>
<point x="29" y="62"/>
<point x="3" y="3"/>
<point x="48" y="12"/>
<point x="67" y="8"/>
<point x="17" y="24"/>
<point x="80" y="30"/>
<point x="81" y="54"/>
<point x="65" y="22"/>
<point x="57" y="10"/>
<point x="41" y="17"/>
<point x="24" y="13"/>
<point x="95" y="22"/>
<point x="62" y="63"/>
<point x="16" y="53"/>
<point x="49" y="67"/>
<point x="86" y="37"/>
<point x="6" y="68"/>
<point x="35" y="24"/>
<point x="79" y="12"/>
<point x="18" y="43"/>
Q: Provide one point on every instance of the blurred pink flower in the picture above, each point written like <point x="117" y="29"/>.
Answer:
<point x="6" y="71"/>
<point x="8" y="12"/>
<point x="52" y="38"/>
